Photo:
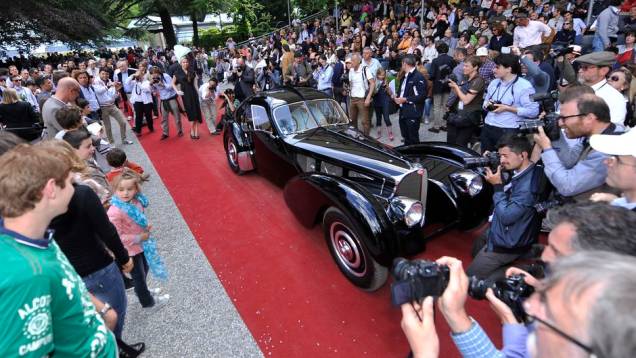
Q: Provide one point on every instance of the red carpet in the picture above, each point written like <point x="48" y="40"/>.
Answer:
<point x="280" y="275"/>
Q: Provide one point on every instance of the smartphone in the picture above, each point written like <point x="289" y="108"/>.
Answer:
<point x="505" y="49"/>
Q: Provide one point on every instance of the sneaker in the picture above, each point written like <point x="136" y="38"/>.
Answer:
<point x="155" y="291"/>
<point x="434" y="130"/>
<point x="427" y="121"/>
<point x="160" y="302"/>
<point x="127" y="142"/>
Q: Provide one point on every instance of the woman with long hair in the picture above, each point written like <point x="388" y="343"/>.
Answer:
<point x="19" y="116"/>
<point x="184" y="81"/>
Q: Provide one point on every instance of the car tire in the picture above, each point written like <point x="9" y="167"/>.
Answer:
<point x="232" y="154"/>
<point x="350" y="253"/>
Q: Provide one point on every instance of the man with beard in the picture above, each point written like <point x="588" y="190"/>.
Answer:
<point x="577" y="170"/>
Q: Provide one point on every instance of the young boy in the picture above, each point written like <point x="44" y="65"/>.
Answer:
<point x="117" y="160"/>
<point x="44" y="305"/>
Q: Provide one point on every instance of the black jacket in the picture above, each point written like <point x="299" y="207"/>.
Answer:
<point x="84" y="232"/>
<point x="20" y="115"/>
<point x="415" y="94"/>
<point x="505" y="40"/>
<point x="441" y="67"/>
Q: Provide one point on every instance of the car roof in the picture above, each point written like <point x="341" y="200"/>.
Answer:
<point x="293" y="95"/>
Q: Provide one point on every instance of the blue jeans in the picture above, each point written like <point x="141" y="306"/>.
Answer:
<point x="139" y="273"/>
<point x="597" y="44"/>
<point x="107" y="285"/>
<point x="428" y="105"/>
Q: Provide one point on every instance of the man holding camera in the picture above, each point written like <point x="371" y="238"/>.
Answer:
<point x="508" y="101"/>
<point x="208" y="93"/>
<point x="577" y="170"/>
<point x="593" y="70"/>
<point x="323" y="76"/>
<point x="162" y="83"/>
<point x="107" y="92"/>
<point x="246" y="79"/>
<point x="515" y="224"/>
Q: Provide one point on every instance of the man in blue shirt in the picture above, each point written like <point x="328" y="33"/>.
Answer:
<point x="507" y="102"/>
<point x="577" y="170"/>
<point x="162" y="83"/>
<point x="323" y="75"/>
<point x="515" y="224"/>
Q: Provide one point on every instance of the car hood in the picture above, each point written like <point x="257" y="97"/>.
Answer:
<point x="345" y="144"/>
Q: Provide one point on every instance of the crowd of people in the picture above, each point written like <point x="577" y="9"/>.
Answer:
<point x="523" y="82"/>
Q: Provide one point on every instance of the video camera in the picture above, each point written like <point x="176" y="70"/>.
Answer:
<point x="490" y="160"/>
<point x="418" y="279"/>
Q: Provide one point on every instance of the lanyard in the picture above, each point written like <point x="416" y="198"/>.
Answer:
<point x="505" y="91"/>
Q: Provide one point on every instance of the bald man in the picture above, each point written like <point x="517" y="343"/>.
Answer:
<point x="66" y="92"/>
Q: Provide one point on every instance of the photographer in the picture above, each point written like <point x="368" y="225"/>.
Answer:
<point x="270" y="77"/>
<point x="467" y="108"/>
<point x="577" y="170"/>
<point x="441" y="67"/>
<point x="530" y="62"/>
<point x="141" y="98"/>
<point x="208" y="93"/>
<point x="323" y="76"/>
<point x="244" y="79"/>
<point x="507" y="102"/>
<point x="162" y="83"/>
<point x="300" y="71"/>
<point x="515" y="224"/>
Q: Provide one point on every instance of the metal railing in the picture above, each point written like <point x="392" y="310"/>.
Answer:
<point x="316" y="15"/>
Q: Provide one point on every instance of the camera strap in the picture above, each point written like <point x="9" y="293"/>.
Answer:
<point x="510" y="87"/>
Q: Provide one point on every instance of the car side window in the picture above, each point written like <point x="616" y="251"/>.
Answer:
<point x="260" y="118"/>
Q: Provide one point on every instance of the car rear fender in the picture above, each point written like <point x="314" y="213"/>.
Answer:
<point x="308" y="195"/>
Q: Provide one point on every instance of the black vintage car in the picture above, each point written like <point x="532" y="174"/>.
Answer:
<point x="374" y="202"/>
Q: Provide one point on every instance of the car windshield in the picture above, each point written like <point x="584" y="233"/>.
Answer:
<point x="299" y="117"/>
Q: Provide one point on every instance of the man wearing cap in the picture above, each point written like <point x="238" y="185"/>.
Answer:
<point x="576" y="170"/>
<point x="593" y="71"/>
<point x="529" y="32"/>
<point x="621" y="167"/>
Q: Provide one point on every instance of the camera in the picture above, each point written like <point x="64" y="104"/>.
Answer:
<point x="548" y="96"/>
<point x="449" y="78"/>
<point x="512" y="291"/>
<point x="156" y="80"/>
<point x="491" y="105"/>
<point x="417" y="279"/>
<point x="490" y="160"/>
<point x="550" y="124"/>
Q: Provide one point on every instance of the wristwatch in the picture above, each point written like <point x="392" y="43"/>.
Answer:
<point x="107" y="307"/>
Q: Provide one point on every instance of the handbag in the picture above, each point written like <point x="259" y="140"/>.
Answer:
<point x="463" y="119"/>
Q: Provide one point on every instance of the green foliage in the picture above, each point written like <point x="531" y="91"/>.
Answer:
<point x="214" y="37"/>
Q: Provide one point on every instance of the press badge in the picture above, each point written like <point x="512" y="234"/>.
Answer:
<point x="460" y="105"/>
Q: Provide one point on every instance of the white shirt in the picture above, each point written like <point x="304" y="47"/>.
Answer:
<point x="530" y="35"/>
<point x="106" y="96"/>
<point x="614" y="99"/>
<point x="140" y="91"/>
<point x="578" y="26"/>
<point x="356" y="81"/>
<point x="403" y="84"/>
<point x="429" y="54"/>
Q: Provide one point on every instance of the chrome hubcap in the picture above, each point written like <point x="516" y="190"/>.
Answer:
<point x="347" y="248"/>
<point x="232" y="153"/>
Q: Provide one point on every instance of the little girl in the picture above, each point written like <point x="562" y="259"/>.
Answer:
<point x="127" y="214"/>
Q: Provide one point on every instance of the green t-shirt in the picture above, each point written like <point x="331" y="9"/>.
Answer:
<point x="45" y="308"/>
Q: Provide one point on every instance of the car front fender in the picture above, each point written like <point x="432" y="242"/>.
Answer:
<point x="309" y="195"/>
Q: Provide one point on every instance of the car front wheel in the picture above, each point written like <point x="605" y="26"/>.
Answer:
<point x="233" y="155"/>
<point x="351" y="256"/>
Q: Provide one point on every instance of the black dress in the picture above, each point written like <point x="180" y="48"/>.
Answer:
<point x="190" y="95"/>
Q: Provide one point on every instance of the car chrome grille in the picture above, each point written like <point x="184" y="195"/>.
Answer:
<point x="414" y="185"/>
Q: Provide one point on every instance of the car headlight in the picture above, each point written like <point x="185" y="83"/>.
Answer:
<point x="468" y="182"/>
<point x="408" y="210"/>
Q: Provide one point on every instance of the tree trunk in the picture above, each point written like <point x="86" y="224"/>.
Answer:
<point x="166" y="23"/>
<point x="195" y="30"/>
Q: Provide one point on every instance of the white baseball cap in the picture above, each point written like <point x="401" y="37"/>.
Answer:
<point x="482" y="51"/>
<point x="624" y="144"/>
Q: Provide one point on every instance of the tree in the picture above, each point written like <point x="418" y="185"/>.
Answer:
<point x="27" y="23"/>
